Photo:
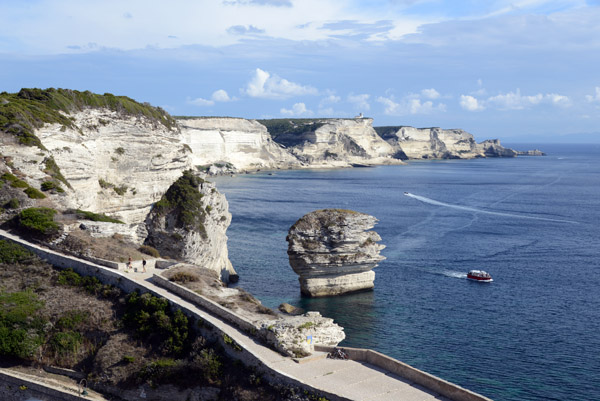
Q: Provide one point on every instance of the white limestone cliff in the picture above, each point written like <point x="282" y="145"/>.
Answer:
<point x="437" y="143"/>
<point x="333" y="251"/>
<point x="120" y="165"/>
<point x="245" y="144"/>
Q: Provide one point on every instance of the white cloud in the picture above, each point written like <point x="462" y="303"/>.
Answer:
<point x="513" y="101"/>
<point x="360" y="102"/>
<point x="516" y="101"/>
<point x="221" y="96"/>
<point x="430" y="93"/>
<point x="331" y="99"/>
<point x="470" y="103"/>
<point x="413" y="103"/>
<point x="201" y="102"/>
<point x="594" y="98"/>
<point x="265" y="85"/>
<point x="298" y="109"/>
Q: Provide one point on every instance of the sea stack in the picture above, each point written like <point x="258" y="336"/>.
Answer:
<point x="333" y="252"/>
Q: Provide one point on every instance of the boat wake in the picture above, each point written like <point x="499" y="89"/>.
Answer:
<point x="453" y="274"/>
<point x="475" y="210"/>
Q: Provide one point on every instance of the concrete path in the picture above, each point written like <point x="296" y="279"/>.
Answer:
<point x="349" y="380"/>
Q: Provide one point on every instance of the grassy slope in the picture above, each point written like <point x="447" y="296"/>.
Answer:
<point x="22" y="113"/>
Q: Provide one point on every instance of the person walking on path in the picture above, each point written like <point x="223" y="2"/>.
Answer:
<point x="144" y="265"/>
<point x="129" y="264"/>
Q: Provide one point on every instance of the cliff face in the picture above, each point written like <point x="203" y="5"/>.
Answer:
<point x="245" y="144"/>
<point x="437" y="143"/>
<point x="332" y="142"/>
<point x="118" y="164"/>
<point x="334" y="252"/>
<point x="189" y="223"/>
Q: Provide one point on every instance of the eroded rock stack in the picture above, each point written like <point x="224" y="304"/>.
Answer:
<point x="333" y="251"/>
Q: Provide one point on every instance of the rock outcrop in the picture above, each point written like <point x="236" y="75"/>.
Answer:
<point x="189" y="223"/>
<point x="437" y="143"/>
<point x="332" y="142"/>
<point x="333" y="251"/>
<point x="295" y="336"/>
<point x="243" y="144"/>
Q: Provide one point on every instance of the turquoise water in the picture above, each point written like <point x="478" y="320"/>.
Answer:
<point x="532" y="222"/>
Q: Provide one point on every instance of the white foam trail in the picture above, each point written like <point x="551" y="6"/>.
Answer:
<point x="454" y="274"/>
<point x="474" y="210"/>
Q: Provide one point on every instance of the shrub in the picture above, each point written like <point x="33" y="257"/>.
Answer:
<point x="33" y="193"/>
<point x="38" y="221"/>
<point x="105" y="184"/>
<point x="65" y="342"/>
<point x="148" y="250"/>
<point x="120" y="151"/>
<point x="184" y="200"/>
<point x="128" y="359"/>
<point x="51" y="185"/>
<point x="153" y="321"/>
<point x="53" y="170"/>
<point x="183" y="277"/>
<point x="71" y="320"/>
<point x="88" y="283"/>
<point x="13" y="204"/>
<point x="83" y="214"/>
<point x="21" y="329"/>
<point x="14" y="253"/>
<point x="120" y="190"/>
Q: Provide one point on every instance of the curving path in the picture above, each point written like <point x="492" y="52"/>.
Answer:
<point x="336" y="379"/>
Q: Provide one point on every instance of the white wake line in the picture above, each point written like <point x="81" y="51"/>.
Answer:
<point x="474" y="210"/>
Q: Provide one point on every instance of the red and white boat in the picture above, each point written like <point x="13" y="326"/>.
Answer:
<point x="479" y="275"/>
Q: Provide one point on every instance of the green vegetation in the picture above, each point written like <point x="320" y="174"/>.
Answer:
<point x="83" y="214"/>
<point x="51" y="186"/>
<point x="22" y="113"/>
<point x="183" y="277"/>
<point x="14" y="253"/>
<point x="21" y="328"/>
<point x="120" y="151"/>
<point x="184" y="200"/>
<point x="153" y="321"/>
<point x="33" y="193"/>
<point x="38" y="222"/>
<point x="65" y="343"/>
<point x="53" y="171"/>
<point x="13" y="203"/>
<point x="148" y="250"/>
<point x="306" y="326"/>
<point x="287" y="130"/>
<point x="119" y="190"/>
<point x="128" y="359"/>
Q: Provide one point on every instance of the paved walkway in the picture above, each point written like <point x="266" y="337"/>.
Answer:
<point x="350" y="380"/>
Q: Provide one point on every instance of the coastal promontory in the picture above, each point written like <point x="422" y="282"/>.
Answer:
<point x="334" y="252"/>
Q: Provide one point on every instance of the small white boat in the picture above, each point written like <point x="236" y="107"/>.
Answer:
<point x="480" y="275"/>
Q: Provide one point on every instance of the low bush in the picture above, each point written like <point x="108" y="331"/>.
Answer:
<point x="184" y="277"/>
<point x="11" y="253"/>
<point x="33" y="193"/>
<point x="38" y="222"/>
<point x="51" y="186"/>
<point x="13" y="204"/>
<point x="153" y="321"/>
<point x="148" y="250"/>
<point x="65" y="343"/>
<point x="83" y="214"/>
<point x="21" y="329"/>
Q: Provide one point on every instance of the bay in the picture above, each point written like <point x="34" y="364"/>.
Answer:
<point x="532" y="222"/>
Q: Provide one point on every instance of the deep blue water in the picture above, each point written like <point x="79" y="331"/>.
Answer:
<point x="532" y="334"/>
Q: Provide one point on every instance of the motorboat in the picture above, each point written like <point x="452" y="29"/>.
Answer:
<point x="479" y="275"/>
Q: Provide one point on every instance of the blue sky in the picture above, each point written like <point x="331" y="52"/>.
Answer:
<point x="522" y="70"/>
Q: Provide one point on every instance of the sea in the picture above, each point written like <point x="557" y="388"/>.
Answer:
<point x="533" y="223"/>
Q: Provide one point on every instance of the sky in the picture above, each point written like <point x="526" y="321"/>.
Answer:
<point x="520" y="71"/>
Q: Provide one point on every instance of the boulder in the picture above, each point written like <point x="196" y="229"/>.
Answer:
<point x="333" y="252"/>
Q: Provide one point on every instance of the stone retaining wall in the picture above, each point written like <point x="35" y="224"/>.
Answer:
<point x="440" y="386"/>
<point x="15" y="387"/>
